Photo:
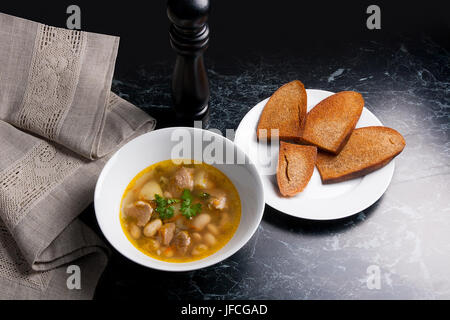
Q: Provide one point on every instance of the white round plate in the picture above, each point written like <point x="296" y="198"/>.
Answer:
<point x="317" y="201"/>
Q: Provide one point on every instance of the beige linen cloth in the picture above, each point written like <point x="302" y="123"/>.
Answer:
<point x="59" y="123"/>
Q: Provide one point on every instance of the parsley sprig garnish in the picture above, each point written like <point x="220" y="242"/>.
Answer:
<point x="164" y="206"/>
<point x="188" y="209"/>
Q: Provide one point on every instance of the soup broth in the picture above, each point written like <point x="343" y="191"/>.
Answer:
<point x="180" y="212"/>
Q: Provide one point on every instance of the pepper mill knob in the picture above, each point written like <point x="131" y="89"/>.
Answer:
<point x="189" y="37"/>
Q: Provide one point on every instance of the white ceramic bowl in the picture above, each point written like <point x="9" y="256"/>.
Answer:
<point x="157" y="146"/>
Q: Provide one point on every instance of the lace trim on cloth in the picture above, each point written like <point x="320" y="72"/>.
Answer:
<point x="53" y="78"/>
<point x="30" y="178"/>
<point x="14" y="267"/>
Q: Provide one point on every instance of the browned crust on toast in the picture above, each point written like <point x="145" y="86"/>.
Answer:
<point x="331" y="122"/>
<point x="357" y="174"/>
<point x="295" y="167"/>
<point x="370" y="149"/>
<point x="286" y="111"/>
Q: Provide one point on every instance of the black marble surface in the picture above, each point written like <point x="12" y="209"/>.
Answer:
<point x="405" y="83"/>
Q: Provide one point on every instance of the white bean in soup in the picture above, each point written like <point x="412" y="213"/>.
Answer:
<point x="180" y="212"/>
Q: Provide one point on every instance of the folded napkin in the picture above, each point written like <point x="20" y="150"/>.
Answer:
<point x="59" y="124"/>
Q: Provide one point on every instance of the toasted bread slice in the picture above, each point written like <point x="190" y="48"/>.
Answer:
<point x="285" y="111"/>
<point x="295" y="167"/>
<point x="367" y="150"/>
<point x="330" y="123"/>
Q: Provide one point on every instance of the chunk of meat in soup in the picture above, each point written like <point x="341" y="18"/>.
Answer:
<point x="139" y="210"/>
<point x="218" y="199"/>
<point x="167" y="231"/>
<point x="183" y="178"/>
<point x="182" y="241"/>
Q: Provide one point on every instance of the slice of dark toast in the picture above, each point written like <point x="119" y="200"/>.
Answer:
<point x="330" y="123"/>
<point x="368" y="149"/>
<point x="295" y="167"/>
<point x="285" y="111"/>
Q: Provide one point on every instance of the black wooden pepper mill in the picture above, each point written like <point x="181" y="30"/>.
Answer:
<point x="189" y="36"/>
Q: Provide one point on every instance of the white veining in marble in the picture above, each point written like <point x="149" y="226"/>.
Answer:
<point x="406" y="233"/>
